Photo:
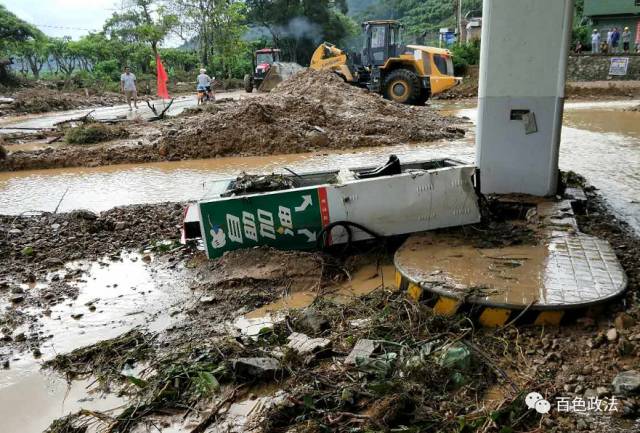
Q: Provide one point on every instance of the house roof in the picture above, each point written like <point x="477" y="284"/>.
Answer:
<point x="594" y="8"/>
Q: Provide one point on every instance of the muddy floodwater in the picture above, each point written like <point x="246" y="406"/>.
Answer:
<point x="599" y="141"/>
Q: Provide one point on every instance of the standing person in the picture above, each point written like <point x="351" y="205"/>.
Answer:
<point x="128" y="87"/>
<point x="626" y="39"/>
<point x="203" y="86"/>
<point x="608" y="47"/>
<point x="615" y="40"/>
<point x="595" y="42"/>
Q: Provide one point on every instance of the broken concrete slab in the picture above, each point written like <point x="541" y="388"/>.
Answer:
<point x="312" y="321"/>
<point x="304" y="345"/>
<point x="364" y="348"/>
<point x="255" y="367"/>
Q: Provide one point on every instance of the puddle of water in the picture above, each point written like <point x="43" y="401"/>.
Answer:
<point x="626" y="123"/>
<point x="126" y="294"/>
<point x="30" y="405"/>
<point x="365" y="280"/>
<point x="511" y="275"/>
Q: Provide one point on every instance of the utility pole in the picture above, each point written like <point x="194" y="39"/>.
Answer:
<point x="459" y="21"/>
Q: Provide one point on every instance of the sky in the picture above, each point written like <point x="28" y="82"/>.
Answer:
<point x="76" y="17"/>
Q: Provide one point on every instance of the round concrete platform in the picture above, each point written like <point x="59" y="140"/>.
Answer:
<point x="564" y="270"/>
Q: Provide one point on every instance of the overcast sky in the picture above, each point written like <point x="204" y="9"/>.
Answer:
<point x="76" y="17"/>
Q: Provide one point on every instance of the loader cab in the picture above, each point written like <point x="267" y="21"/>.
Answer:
<point x="382" y="41"/>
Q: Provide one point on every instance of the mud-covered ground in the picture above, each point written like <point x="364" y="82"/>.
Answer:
<point x="41" y="99"/>
<point x="427" y="372"/>
<point x="311" y="111"/>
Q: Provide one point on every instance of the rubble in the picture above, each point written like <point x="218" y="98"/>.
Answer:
<point x="313" y="110"/>
<point x="303" y="345"/>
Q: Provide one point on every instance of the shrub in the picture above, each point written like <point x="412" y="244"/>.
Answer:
<point x="94" y="132"/>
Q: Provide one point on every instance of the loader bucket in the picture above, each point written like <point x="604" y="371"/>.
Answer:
<point x="279" y="72"/>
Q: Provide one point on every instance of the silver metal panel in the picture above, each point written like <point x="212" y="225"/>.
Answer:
<point x="409" y="202"/>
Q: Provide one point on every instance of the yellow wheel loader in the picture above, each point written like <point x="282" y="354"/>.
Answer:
<point x="408" y="75"/>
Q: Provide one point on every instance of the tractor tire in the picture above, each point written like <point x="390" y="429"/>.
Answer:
<point x="402" y="86"/>
<point x="248" y="83"/>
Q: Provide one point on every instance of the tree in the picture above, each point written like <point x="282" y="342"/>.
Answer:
<point x="216" y="26"/>
<point x="298" y="26"/>
<point x="34" y="53"/>
<point x="65" y="53"/>
<point x="144" y="21"/>
<point x="13" y="31"/>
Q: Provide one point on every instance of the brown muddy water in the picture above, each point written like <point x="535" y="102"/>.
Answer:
<point x="600" y="141"/>
<point x="126" y="293"/>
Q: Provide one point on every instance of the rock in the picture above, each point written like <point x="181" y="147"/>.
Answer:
<point x="255" y="367"/>
<point x="318" y="138"/>
<point x="305" y="345"/>
<point x="17" y="298"/>
<point x="55" y="226"/>
<point x="15" y="232"/>
<point x="207" y="300"/>
<point x="579" y="389"/>
<point x="627" y="382"/>
<point x="19" y="338"/>
<point x="625" y="347"/>
<point x="624" y="321"/>
<point x="120" y="225"/>
<point x="37" y="353"/>
<point x="77" y="316"/>
<point x="84" y="214"/>
<point x="27" y="251"/>
<point x="602" y="391"/>
<point x="612" y="334"/>
<point x="5" y="364"/>
<point x="364" y="348"/>
<point x="163" y="150"/>
<point x="17" y="290"/>
<point x="312" y="321"/>
<point x="53" y="261"/>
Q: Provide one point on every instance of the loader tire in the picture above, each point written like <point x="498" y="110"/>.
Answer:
<point x="248" y="83"/>
<point x="402" y="86"/>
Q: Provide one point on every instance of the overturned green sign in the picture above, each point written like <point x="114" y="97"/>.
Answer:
<point x="283" y="219"/>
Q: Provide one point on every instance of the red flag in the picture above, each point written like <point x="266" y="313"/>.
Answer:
<point x="162" y="79"/>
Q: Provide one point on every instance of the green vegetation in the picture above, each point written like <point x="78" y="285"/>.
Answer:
<point x="94" y="132"/>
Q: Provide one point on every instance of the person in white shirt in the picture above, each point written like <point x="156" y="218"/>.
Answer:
<point x="595" y="42"/>
<point x="204" y="86"/>
<point x="128" y="87"/>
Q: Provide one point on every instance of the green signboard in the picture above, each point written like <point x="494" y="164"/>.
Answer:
<point x="283" y="219"/>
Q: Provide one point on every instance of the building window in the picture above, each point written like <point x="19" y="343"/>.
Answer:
<point x="637" y="2"/>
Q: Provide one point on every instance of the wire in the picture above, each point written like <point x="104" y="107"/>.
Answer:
<point x="326" y="231"/>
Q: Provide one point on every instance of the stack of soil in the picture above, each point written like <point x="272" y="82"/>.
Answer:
<point x="311" y="110"/>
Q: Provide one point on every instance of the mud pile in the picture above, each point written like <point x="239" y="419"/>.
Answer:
<point x="42" y="99"/>
<point x="312" y="110"/>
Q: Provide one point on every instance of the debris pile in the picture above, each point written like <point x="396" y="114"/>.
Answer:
<point x="310" y="111"/>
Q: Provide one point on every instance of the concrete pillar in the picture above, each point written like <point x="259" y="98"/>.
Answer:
<point x="523" y="63"/>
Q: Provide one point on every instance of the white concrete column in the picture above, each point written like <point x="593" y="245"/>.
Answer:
<point x="523" y="63"/>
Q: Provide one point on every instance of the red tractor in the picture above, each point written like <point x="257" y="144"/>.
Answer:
<point x="268" y="70"/>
